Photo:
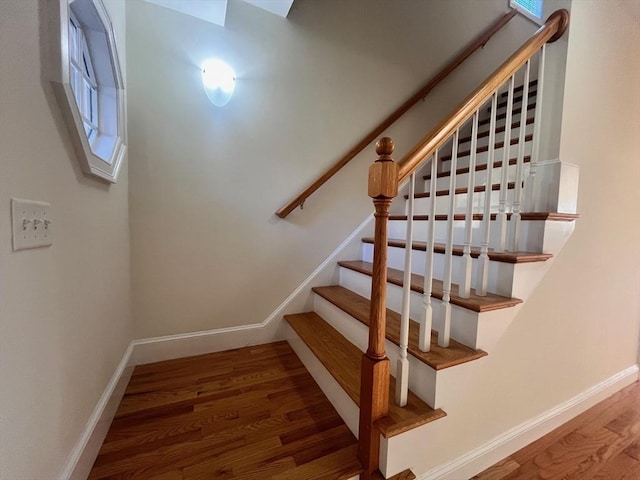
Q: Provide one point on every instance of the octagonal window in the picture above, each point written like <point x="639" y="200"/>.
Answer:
<point x="88" y="85"/>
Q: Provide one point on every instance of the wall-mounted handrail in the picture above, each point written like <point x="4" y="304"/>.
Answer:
<point x="479" y="42"/>
<point x="552" y="30"/>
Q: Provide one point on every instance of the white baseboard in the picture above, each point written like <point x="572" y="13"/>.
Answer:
<point x="158" y="349"/>
<point x="271" y="329"/>
<point x="168" y="347"/>
<point x="477" y="460"/>
<point x="86" y="450"/>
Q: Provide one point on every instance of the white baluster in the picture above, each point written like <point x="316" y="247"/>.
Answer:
<point x="517" y="198"/>
<point x="483" y="260"/>
<point x="504" y="181"/>
<point x="445" y="333"/>
<point x="425" y="327"/>
<point x="402" y="374"/>
<point x="529" y="188"/>
<point x="467" y="262"/>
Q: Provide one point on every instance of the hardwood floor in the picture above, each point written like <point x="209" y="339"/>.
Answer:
<point x="251" y="413"/>
<point x="256" y="413"/>
<point x="603" y="443"/>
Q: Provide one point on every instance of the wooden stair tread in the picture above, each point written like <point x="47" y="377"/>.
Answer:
<point x="529" y="216"/>
<point x="404" y="475"/>
<point x="474" y="302"/>
<point x="437" y="358"/>
<point x="462" y="190"/>
<point x="479" y="167"/>
<point x="504" y="257"/>
<point x="339" y="465"/>
<point x="343" y="360"/>
<point x="485" y="148"/>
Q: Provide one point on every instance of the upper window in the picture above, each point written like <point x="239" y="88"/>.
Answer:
<point x="88" y="84"/>
<point x="83" y="79"/>
<point x="531" y="9"/>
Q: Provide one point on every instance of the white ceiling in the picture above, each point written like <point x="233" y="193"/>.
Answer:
<point x="215" y="11"/>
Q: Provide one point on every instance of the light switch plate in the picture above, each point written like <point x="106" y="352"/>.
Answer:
<point x="32" y="224"/>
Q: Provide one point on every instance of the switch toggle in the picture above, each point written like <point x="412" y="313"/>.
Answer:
<point x="32" y="224"/>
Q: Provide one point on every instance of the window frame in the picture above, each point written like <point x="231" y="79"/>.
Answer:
<point x="94" y="109"/>
<point x="83" y="78"/>
<point x="530" y="15"/>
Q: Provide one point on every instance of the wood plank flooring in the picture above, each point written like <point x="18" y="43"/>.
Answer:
<point x="250" y="413"/>
<point x="602" y="443"/>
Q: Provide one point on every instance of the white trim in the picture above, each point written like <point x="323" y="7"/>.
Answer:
<point x="154" y="349"/>
<point x="102" y="154"/>
<point x="473" y="462"/>
<point x="86" y="450"/>
<point x="168" y="347"/>
<point x="551" y="161"/>
<point x="526" y="13"/>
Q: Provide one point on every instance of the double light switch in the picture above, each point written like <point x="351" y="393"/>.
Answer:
<point x="32" y="224"/>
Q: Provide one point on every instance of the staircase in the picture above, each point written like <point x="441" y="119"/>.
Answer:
<point x="465" y="248"/>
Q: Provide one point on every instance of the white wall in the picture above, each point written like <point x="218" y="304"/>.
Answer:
<point x="65" y="311"/>
<point x="206" y="181"/>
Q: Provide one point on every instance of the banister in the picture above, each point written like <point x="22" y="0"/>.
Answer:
<point x="385" y="178"/>
<point x="479" y="42"/>
<point x="551" y="31"/>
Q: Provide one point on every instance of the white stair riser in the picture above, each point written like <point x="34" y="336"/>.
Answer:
<point x="537" y="235"/>
<point x="474" y="329"/>
<point x="462" y="179"/>
<point x="501" y="275"/>
<point x="516" y="280"/>
<point x="484" y="140"/>
<point x="422" y="378"/>
<point x="500" y="122"/>
<point x="464" y="322"/>
<point x="482" y="157"/>
<point x="422" y="205"/>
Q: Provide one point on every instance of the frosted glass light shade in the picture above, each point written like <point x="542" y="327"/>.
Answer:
<point x="219" y="81"/>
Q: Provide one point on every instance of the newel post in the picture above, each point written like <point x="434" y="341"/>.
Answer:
<point x="374" y="384"/>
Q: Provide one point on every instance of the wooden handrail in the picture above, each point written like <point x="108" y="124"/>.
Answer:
<point x="552" y="30"/>
<point x="475" y="44"/>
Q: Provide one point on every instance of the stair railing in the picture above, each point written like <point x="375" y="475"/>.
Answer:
<point x="475" y="44"/>
<point x="447" y="135"/>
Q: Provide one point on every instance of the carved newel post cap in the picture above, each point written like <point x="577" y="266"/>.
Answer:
<point x="385" y="147"/>
<point x="383" y="174"/>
